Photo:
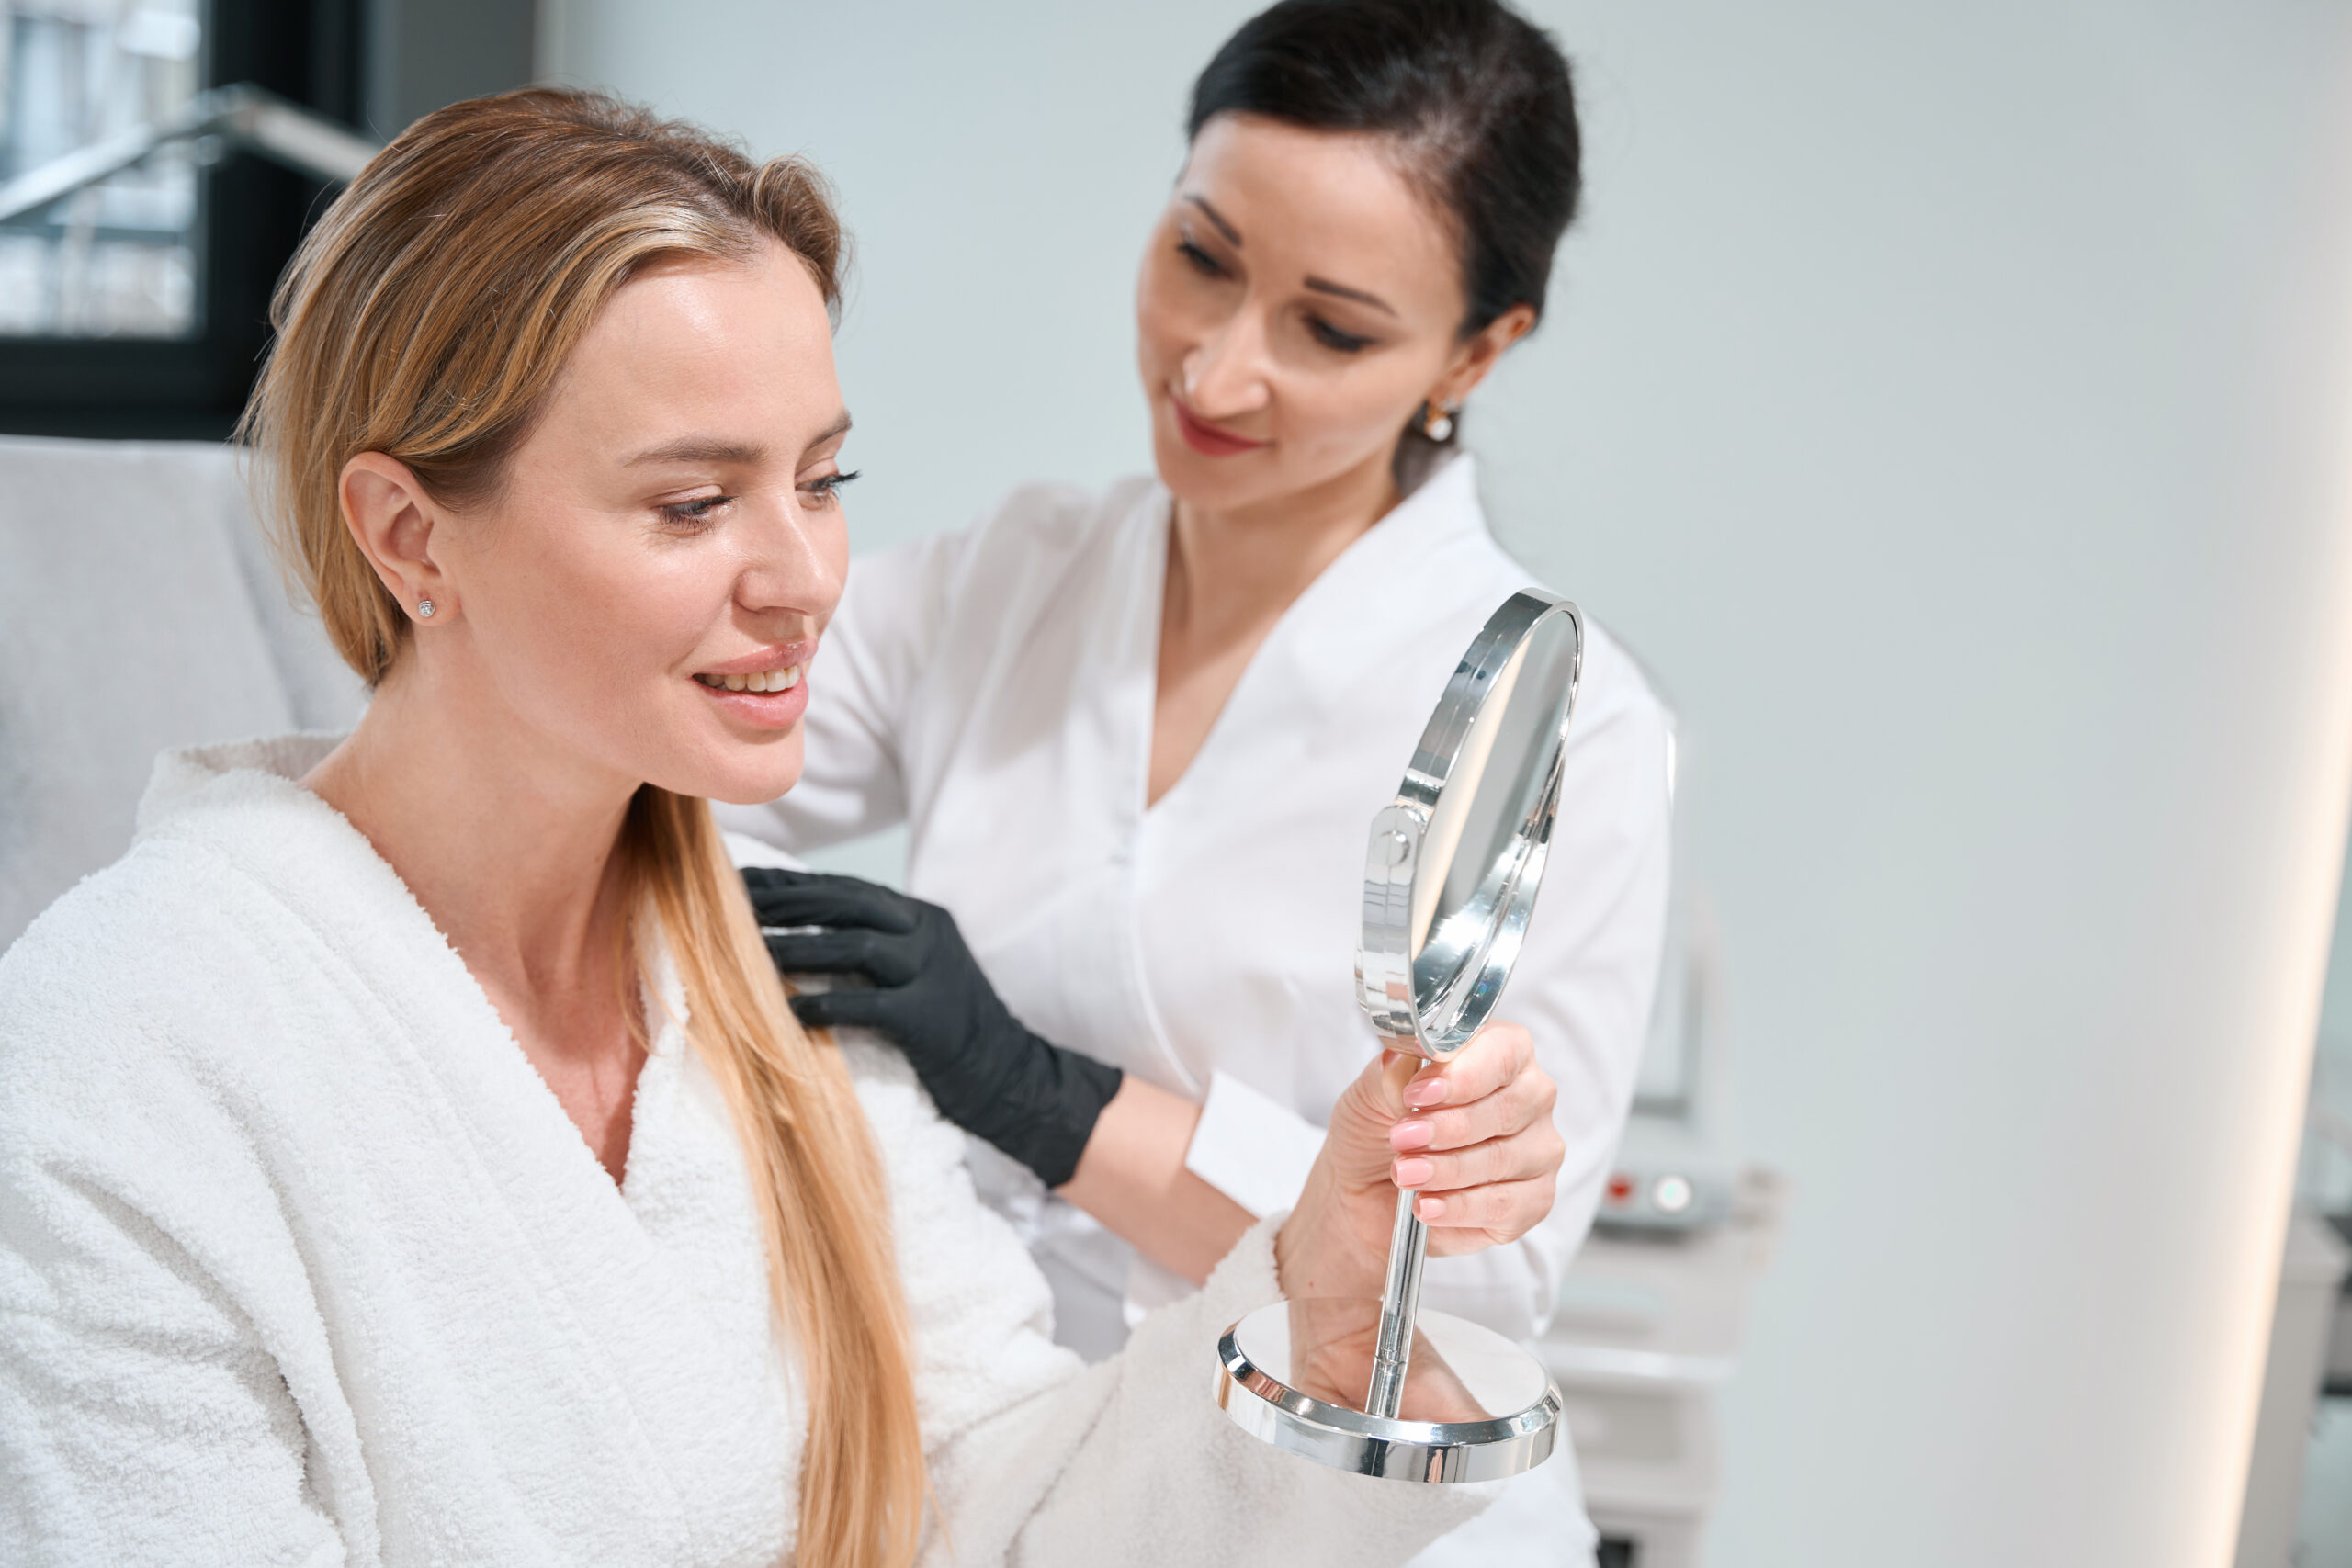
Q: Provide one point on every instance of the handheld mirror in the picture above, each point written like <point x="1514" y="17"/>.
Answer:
<point x="1451" y="874"/>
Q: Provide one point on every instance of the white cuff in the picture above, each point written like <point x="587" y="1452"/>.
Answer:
<point x="1251" y="1147"/>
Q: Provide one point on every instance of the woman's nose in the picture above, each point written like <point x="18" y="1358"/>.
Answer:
<point x="786" y="566"/>
<point x="1225" y="375"/>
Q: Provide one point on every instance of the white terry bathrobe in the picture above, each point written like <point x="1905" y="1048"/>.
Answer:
<point x="993" y="690"/>
<point x="301" y="1262"/>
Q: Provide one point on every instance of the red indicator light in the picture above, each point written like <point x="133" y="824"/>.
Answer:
<point x="1621" y="1188"/>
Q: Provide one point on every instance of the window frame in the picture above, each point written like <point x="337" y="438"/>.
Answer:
<point x="253" y="214"/>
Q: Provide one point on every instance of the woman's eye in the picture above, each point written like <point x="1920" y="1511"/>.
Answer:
<point x="1202" y="262"/>
<point x="826" y="489"/>
<point x="696" y="515"/>
<point x="1332" y="337"/>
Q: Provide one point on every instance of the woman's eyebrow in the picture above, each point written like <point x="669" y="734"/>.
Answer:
<point x="1320" y="284"/>
<point x="699" y="450"/>
<point x="840" y="427"/>
<point x="1216" y="220"/>
<point x="1324" y="286"/>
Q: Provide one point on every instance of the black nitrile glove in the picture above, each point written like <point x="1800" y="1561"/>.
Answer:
<point x="986" y="1073"/>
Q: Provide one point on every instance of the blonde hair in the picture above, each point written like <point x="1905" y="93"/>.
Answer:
<point x="426" y="317"/>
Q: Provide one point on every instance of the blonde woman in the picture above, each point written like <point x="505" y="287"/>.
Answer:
<point x="406" y="1153"/>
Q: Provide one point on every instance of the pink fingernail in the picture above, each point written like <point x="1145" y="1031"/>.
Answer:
<point x="1423" y="1093"/>
<point x="1411" y="1135"/>
<point x="1413" y="1172"/>
<point x="1428" y="1210"/>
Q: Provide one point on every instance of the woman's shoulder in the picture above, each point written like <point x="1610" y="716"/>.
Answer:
<point x="1615" y="681"/>
<point x="939" y="1218"/>
<point x="176" y="945"/>
<point x="917" y="1146"/>
<point x="1038" y="530"/>
<point x="1042" y="516"/>
<point x="1462" y="571"/>
<point x="1612" y="682"/>
<point x="160" y="916"/>
<point x="1028" y="530"/>
<point x="1051" y="513"/>
<point x="979" y="1311"/>
<point x="121" y="1005"/>
<point x="982" y="583"/>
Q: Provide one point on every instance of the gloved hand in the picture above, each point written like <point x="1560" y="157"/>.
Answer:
<point x="987" y="1074"/>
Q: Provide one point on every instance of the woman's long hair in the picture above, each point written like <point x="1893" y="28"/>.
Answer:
<point x="426" y="317"/>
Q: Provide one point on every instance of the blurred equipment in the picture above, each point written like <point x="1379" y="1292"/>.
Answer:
<point x="1673" y="1170"/>
<point x="1648" y="1329"/>
<point x="2311" y="1333"/>
<point x="2324" y="1193"/>
<point x="1648" y="1323"/>
<point x="2310" y="1299"/>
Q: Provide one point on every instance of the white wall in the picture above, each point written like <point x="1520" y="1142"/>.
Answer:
<point x="1951" y="404"/>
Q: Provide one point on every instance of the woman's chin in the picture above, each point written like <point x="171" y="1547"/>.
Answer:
<point x="1197" y="480"/>
<point x="735" y="773"/>
<point x="757" y="791"/>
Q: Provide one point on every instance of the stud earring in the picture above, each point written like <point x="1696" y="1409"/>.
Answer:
<point x="424" y="609"/>
<point x="1437" y="420"/>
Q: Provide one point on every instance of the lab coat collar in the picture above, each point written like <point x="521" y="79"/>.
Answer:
<point x="1427" y="560"/>
<point x="1403" y="598"/>
<point x="1424" y="545"/>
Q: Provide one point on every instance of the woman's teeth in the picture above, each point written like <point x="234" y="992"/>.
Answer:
<point x="757" y="681"/>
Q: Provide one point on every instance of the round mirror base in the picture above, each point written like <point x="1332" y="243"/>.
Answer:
<point x="1476" y="1407"/>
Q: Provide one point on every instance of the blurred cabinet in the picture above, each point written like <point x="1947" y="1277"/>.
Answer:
<point x="1649" y="1327"/>
<point x="2309" y="1316"/>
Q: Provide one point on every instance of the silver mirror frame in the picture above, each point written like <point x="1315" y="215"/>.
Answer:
<point x="1385" y="961"/>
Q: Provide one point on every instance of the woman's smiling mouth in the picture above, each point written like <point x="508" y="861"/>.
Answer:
<point x="782" y="680"/>
<point x="767" y="689"/>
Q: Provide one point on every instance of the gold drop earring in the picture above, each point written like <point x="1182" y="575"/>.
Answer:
<point x="1437" y="420"/>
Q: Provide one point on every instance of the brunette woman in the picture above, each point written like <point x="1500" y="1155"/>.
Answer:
<point x="1138" y="737"/>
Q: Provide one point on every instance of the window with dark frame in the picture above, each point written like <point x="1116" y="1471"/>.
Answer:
<point x="117" y="259"/>
<point x="138" y="307"/>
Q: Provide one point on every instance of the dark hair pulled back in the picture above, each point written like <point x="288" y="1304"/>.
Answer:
<point x="1477" y="97"/>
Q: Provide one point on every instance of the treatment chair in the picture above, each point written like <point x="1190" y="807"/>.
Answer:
<point x="139" y="611"/>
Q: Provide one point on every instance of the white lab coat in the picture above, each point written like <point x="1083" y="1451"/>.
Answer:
<point x="993" y="690"/>
<point x="300" y="1262"/>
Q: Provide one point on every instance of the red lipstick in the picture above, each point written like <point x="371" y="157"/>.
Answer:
<point x="1209" y="440"/>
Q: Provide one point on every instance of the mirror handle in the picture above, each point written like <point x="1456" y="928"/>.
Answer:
<point x="1401" y="1306"/>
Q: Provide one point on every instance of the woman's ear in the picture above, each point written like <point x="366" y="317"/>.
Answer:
<point x="1477" y="353"/>
<point x="392" y="520"/>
